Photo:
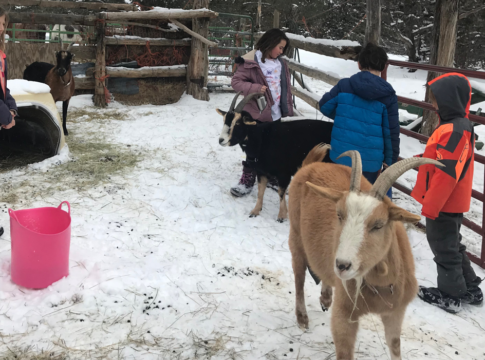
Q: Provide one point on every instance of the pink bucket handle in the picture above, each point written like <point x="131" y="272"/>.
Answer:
<point x="68" y="207"/>
<point x="12" y="214"/>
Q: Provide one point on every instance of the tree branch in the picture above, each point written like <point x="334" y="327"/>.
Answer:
<point x="467" y="13"/>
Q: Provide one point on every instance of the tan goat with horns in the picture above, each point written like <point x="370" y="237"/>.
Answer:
<point x="353" y="239"/>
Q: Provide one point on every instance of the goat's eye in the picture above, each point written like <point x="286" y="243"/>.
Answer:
<point x="377" y="226"/>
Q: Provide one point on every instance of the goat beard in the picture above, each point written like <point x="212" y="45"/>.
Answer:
<point x="358" y="287"/>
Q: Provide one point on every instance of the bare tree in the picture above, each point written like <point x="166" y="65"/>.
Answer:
<point x="373" y="24"/>
<point x="443" y="44"/>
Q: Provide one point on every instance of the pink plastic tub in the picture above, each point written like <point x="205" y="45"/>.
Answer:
<point x="40" y="245"/>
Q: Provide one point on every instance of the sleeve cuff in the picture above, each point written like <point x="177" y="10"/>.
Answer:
<point x="431" y="217"/>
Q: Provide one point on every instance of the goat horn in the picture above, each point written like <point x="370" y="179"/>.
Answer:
<point x="234" y="101"/>
<point x="70" y="46"/>
<point x="356" y="174"/>
<point x="389" y="177"/>
<point x="244" y="101"/>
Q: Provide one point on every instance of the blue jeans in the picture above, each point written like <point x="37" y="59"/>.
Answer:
<point x="372" y="177"/>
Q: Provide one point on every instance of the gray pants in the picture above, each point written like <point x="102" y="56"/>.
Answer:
<point x="455" y="273"/>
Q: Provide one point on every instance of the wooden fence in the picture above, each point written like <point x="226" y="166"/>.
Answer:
<point x="193" y="23"/>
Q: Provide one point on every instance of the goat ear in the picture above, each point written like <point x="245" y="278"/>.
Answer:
<point x="398" y="214"/>
<point x="249" y="121"/>
<point x="220" y="112"/>
<point x="328" y="193"/>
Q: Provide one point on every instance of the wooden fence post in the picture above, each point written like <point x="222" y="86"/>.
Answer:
<point x="276" y="19"/>
<point x="373" y="25"/>
<point x="100" y="82"/>
<point x="198" y="68"/>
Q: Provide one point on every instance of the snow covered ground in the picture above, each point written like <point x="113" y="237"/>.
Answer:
<point x="166" y="264"/>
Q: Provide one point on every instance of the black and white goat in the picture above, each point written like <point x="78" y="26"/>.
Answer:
<point x="272" y="148"/>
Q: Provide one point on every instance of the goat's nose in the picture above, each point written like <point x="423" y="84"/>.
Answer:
<point x="221" y="140"/>
<point x="343" y="265"/>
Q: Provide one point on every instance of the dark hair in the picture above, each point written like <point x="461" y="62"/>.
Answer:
<point x="373" y="57"/>
<point x="270" y="40"/>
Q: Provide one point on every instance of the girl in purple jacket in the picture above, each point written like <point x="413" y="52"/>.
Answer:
<point x="263" y="71"/>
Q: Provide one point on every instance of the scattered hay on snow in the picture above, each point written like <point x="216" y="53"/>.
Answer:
<point x="94" y="161"/>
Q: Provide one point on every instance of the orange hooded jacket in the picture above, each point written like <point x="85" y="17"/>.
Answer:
<point x="448" y="189"/>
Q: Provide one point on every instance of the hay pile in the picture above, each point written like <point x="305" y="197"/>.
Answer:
<point x="94" y="160"/>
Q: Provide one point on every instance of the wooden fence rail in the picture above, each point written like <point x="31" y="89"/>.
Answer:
<point x="51" y="19"/>
<point x="153" y="42"/>
<point x="70" y="5"/>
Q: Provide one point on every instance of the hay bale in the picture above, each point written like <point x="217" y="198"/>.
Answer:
<point x="154" y="91"/>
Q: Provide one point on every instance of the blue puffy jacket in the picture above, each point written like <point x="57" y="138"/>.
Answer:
<point x="366" y="118"/>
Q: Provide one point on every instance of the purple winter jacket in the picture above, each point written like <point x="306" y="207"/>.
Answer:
<point x="249" y="78"/>
<point x="7" y="102"/>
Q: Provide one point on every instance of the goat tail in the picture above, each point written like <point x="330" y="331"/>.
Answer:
<point x="317" y="154"/>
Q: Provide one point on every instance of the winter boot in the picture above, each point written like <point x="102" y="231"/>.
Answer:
<point x="440" y="299"/>
<point x="245" y="184"/>
<point x="474" y="295"/>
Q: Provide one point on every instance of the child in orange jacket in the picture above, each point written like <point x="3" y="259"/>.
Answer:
<point x="445" y="194"/>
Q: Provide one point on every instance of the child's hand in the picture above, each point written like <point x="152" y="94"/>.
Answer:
<point x="263" y="89"/>
<point x="9" y="126"/>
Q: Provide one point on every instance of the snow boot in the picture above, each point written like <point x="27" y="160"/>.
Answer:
<point x="473" y="296"/>
<point x="440" y="299"/>
<point x="245" y="184"/>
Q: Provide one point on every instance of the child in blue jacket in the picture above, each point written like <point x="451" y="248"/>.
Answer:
<point x="366" y="116"/>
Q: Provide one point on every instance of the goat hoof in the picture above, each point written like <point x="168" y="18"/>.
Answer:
<point x="252" y="215"/>
<point x="66" y="133"/>
<point x="324" y="308"/>
<point x="281" y="220"/>
<point x="302" y="321"/>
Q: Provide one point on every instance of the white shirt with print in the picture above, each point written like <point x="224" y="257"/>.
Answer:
<point x="272" y="72"/>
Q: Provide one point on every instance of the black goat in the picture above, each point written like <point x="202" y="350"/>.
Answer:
<point x="273" y="148"/>
<point x="58" y="77"/>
